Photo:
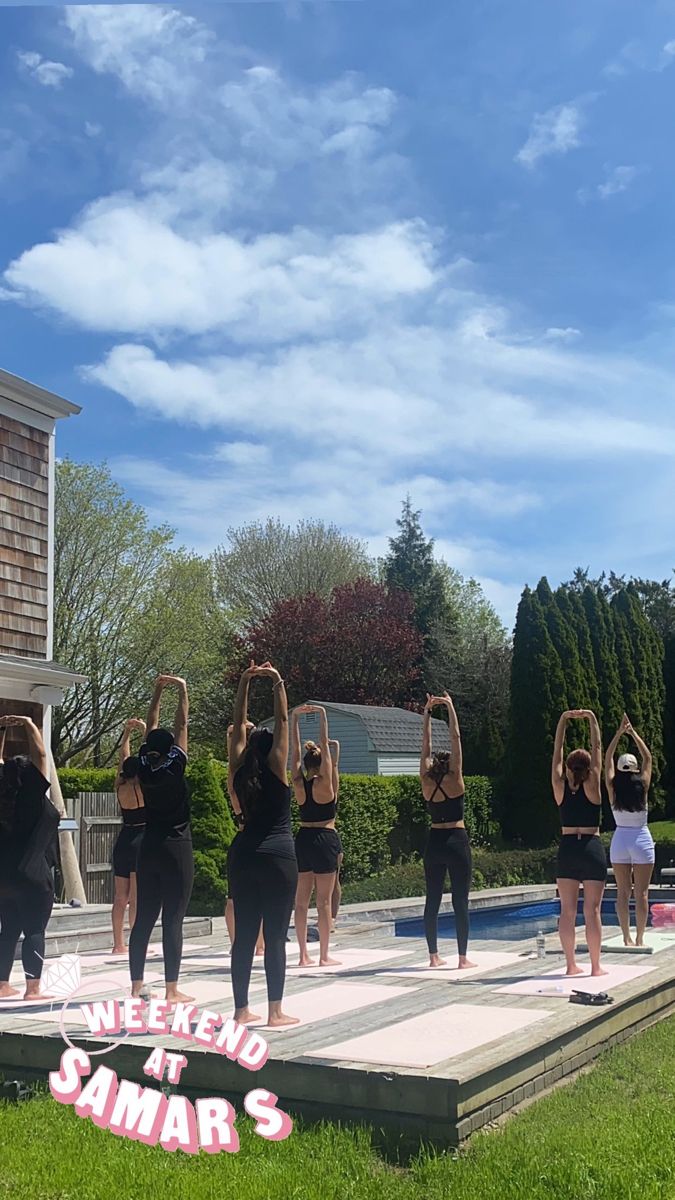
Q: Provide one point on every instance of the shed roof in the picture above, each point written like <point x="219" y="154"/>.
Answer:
<point x="393" y="730"/>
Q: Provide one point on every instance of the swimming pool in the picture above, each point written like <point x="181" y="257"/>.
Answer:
<point x="511" y="923"/>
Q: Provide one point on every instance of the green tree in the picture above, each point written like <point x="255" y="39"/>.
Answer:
<point x="537" y="700"/>
<point x="126" y="606"/>
<point x="266" y="563"/>
<point x="601" y="630"/>
<point x="563" y="636"/>
<point x="572" y="609"/>
<point x="212" y="833"/>
<point x="410" y="567"/>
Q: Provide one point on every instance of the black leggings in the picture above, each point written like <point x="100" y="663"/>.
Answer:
<point x="26" y="911"/>
<point x="164" y="880"/>
<point x="263" y="887"/>
<point x="447" y="850"/>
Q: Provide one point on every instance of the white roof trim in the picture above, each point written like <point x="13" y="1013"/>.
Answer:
<point x="38" y="672"/>
<point x="36" y="398"/>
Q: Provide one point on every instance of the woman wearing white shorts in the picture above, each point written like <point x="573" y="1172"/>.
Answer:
<point x="632" y="850"/>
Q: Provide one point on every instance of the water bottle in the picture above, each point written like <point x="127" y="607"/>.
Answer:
<point x="541" y="945"/>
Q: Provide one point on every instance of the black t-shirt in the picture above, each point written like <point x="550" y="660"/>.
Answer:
<point x="269" y="831"/>
<point x="27" y="842"/>
<point x="167" y="807"/>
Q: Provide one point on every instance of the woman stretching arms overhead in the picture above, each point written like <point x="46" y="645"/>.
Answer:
<point x="447" y="848"/>
<point x="632" y="852"/>
<point x="317" y="844"/>
<point x="165" y="861"/>
<point x="239" y="822"/>
<point x="263" y="867"/>
<point x="581" y="854"/>
<point x="128" y="841"/>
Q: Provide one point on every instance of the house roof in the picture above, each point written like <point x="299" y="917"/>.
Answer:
<point x="393" y="730"/>
<point x="38" y="671"/>
<point x="12" y="387"/>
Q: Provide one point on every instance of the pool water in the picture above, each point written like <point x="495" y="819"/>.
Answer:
<point x="512" y="923"/>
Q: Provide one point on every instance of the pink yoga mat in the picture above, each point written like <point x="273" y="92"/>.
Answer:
<point x="348" y="959"/>
<point x="485" y="960"/>
<point x="321" y="1004"/>
<point x="557" y="983"/>
<point x="433" y="1037"/>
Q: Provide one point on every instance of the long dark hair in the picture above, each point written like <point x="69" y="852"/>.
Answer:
<point x="248" y="783"/>
<point x="11" y="778"/>
<point x="628" y="797"/>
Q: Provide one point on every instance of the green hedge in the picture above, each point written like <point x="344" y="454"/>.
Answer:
<point x="491" y="868"/>
<point x="412" y="825"/>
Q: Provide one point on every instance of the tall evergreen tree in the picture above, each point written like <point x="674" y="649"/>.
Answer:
<point x="564" y="639"/>
<point x="625" y="635"/>
<point x="570" y="605"/>
<point x="410" y="567"/>
<point x="537" y="699"/>
<point x="647" y="661"/>
<point x="601" y="630"/>
<point x="669" y="719"/>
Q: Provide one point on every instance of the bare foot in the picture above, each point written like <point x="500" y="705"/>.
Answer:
<point x="629" y="942"/>
<point x="329" y="962"/>
<point x="464" y="964"/>
<point x="178" y="998"/>
<point x="246" y="1017"/>
<point x="7" y="992"/>
<point x="640" y="942"/>
<point x="37" y="995"/>
<point x="597" y="971"/>
<point x="436" y="961"/>
<point x="306" y="961"/>
<point x="282" y="1019"/>
<point x="119" y="950"/>
<point x="574" y="970"/>
<point x="259" y="951"/>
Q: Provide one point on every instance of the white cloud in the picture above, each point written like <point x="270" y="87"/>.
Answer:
<point x="92" y="130"/>
<point x="553" y="132"/>
<point x="618" y="180"/>
<point x="49" y="74"/>
<point x="555" y="334"/>
<point x="155" y="52"/>
<point x="125" y="269"/>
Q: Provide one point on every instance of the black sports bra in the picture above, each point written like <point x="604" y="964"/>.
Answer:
<point x="577" y="811"/>
<point x="132" y="816"/>
<point x="449" y="809"/>
<point x="311" y="811"/>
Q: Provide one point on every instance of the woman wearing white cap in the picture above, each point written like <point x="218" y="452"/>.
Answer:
<point x="632" y="851"/>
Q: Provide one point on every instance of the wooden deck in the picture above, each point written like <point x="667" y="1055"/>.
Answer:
<point x="443" y="1102"/>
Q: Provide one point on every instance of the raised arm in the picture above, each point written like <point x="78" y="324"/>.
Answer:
<point x="610" y="769"/>
<point x="36" y="747"/>
<point x="426" y="755"/>
<point x="645" y="754"/>
<point x="296" y="745"/>
<point x="237" y="741"/>
<point x="152" y="721"/>
<point x="558" y="763"/>
<point x="236" y="806"/>
<point x="455" y="737"/>
<point x="334" y="747"/>
<point x="180" y="721"/>
<point x="125" y="745"/>
<point x="278" y="755"/>
<point x="3" y="735"/>
<point x="596" y="743"/>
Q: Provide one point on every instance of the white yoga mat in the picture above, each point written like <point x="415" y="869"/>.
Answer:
<point x="557" y="983"/>
<point x="655" y="940"/>
<point x="433" y="1037"/>
<point x="485" y="960"/>
<point x="320" y="1004"/>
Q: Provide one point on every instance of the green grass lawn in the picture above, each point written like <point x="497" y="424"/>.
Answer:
<point x="663" y="831"/>
<point x="608" y="1136"/>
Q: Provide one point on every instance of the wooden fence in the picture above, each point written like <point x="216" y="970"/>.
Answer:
<point x="98" y="823"/>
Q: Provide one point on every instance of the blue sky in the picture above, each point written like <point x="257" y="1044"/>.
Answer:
<point x="300" y="259"/>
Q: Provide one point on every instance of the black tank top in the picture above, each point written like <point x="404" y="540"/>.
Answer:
<point x="164" y="788"/>
<point x="311" y="811"/>
<point x="269" y="831"/>
<point x="132" y="816"/>
<point x="577" y="810"/>
<point x="450" y="808"/>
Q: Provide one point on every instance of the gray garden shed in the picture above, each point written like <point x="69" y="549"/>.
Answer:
<point x="373" y="741"/>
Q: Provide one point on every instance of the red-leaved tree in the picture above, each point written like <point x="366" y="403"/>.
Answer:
<point x="359" y="646"/>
